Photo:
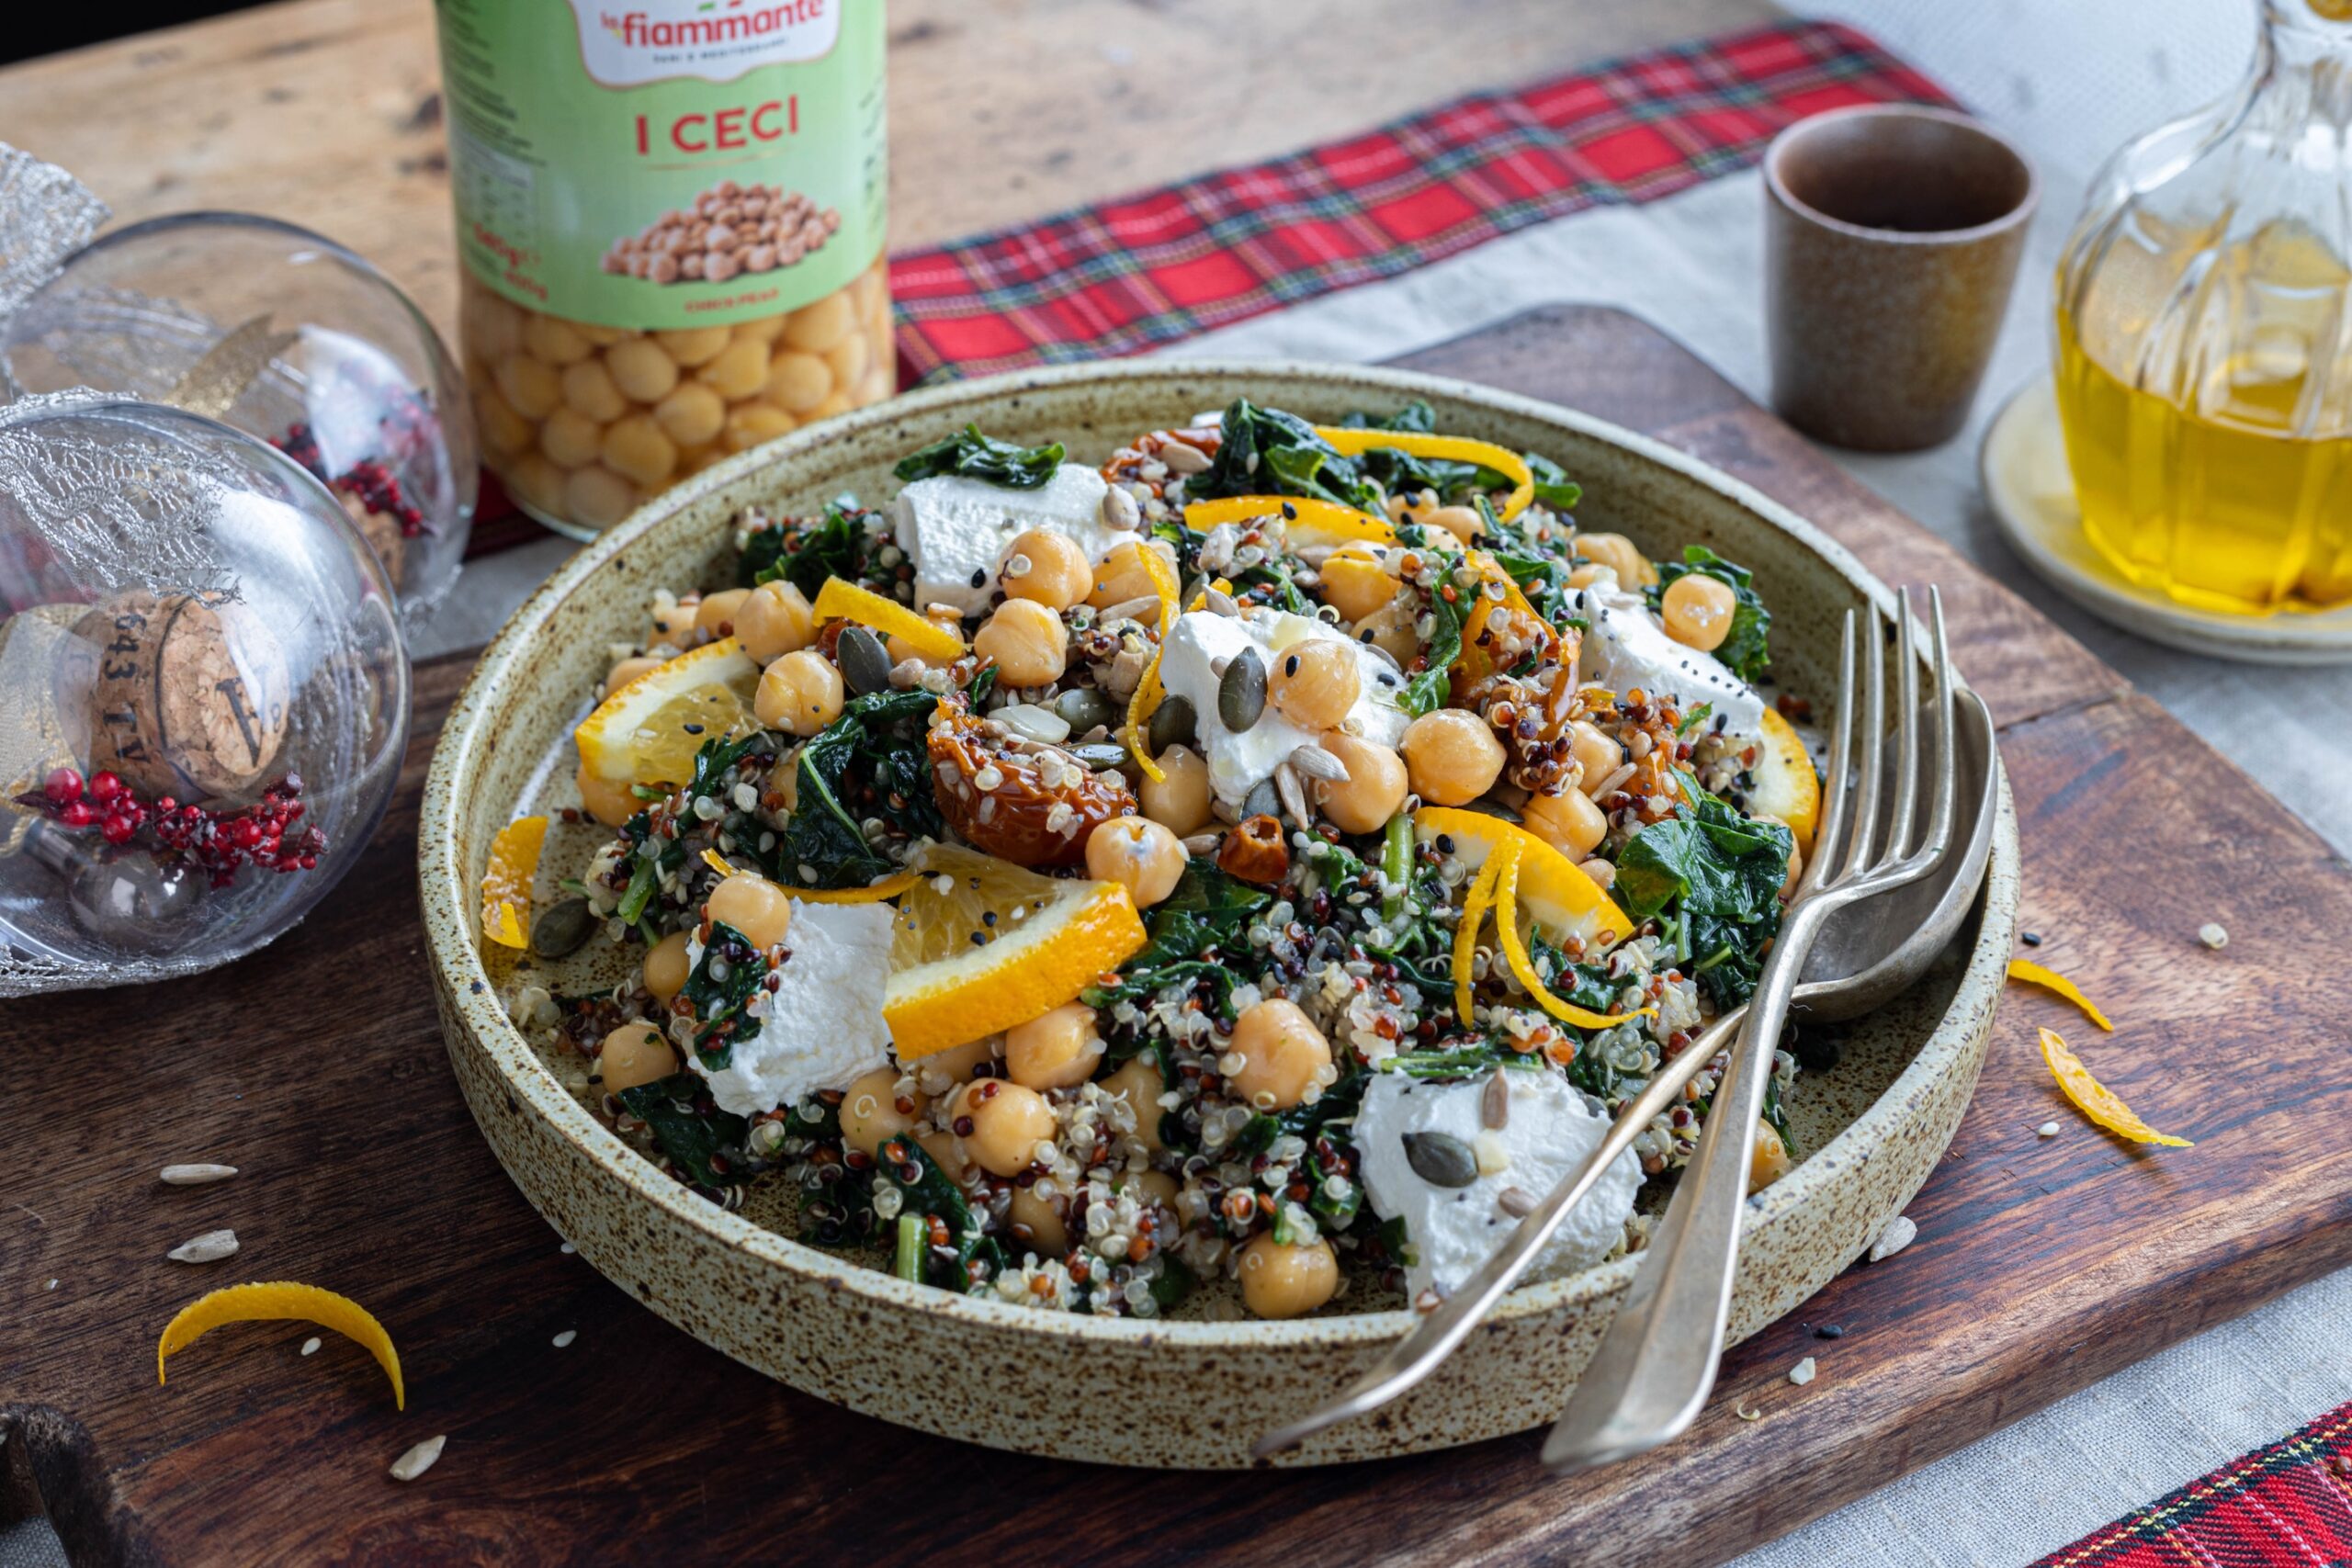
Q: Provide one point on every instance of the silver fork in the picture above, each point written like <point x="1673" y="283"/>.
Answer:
<point x="1656" y="1363"/>
<point x="1438" y="1332"/>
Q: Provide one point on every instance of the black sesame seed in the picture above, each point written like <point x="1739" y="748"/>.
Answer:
<point x="980" y="577"/>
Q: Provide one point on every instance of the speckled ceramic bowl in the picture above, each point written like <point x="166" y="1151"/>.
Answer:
<point x="1170" y="1394"/>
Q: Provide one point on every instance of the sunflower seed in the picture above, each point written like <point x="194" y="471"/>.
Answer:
<point x="1801" y="1373"/>
<point x="1182" y="458"/>
<point x="1144" y="607"/>
<point x="1516" y="1201"/>
<point x="564" y="1339"/>
<point x="1292" y="794"/>
<point x="310" y="1346"/>
<point x="865" y="664"/>
<point x="1440" y="1159"/>
<point x="562" y="929"/>
<point x="1494" y="1101"/>
<point x="1174" y="722"/>
<point x="1083" y="707"/>
<point x="1241" y="691"/>
<point x="1898" y="1235"/>
<point x="1219" y="602"/>
<point x="2213" y="935"/>
<point x="1034" y="722"/>
<point x="2047" y="1129"/>
<point x="1201" y="844"/>
<point x="419" y="1459"/>
<point x="1120" y="511"/>
<point x="209" y="1247"/>
<point x="197" y="1174"/>
<point x="1317" y="764"/>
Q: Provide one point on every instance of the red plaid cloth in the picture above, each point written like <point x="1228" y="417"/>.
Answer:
<point x="1150" y="269"/>
<point x="2288" y="1506"/>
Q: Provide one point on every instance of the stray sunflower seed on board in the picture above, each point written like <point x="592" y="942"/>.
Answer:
<point x="1801" y="1373"/>
<point x="196" y="1175"/>
<point x="419" y="1459"/>
<point x="209" y="1247"/>
<point x="1898" y="1235"/>
<point x="2213" y="935"/>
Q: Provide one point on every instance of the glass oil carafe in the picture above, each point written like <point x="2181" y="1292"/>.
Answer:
<point x="2204" y="336"/>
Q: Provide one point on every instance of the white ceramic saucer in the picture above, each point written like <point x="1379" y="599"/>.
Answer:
<point x="2023" y="462"/>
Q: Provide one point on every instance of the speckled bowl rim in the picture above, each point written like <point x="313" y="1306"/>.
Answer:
<point x="448" y="922"/>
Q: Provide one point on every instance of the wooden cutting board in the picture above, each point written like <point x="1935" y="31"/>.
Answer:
<point x="317" y="1067"/>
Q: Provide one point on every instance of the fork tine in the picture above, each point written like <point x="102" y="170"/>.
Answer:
<point x="1862" y="855"/>
<point x="1901" y="829"/>
<point x="1827" y="833"/>
<point x="1939" y="826"/>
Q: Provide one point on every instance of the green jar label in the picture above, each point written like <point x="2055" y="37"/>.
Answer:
<point x="662" y="163"/>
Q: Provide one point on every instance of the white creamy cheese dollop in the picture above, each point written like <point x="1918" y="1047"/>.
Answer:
<point x="1192" y="663"/>
<point x="1454" y="1230"/>
<point x="955" y="530"/>
<point x="1628" y="647"/>
<point x="823" y="1027"/>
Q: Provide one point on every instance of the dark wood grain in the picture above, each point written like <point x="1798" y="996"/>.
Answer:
<point x="316" y="1065"/>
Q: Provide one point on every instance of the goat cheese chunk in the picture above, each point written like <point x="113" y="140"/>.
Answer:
<point x="955" y="530"/>
<point x="823" y="1027"/>
<point x="1193" y="663"/>
<point x="1628" y="647"/>
<point x="1454" y="1230"/>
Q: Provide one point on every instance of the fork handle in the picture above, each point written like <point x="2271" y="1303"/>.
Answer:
<point x="1656" y="1363"/>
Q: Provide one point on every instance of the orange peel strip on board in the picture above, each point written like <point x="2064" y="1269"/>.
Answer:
<point x="279" y="1301"/>
<point x="1453" y="448"/>
<point x="2098" y="1102"/>
<point x="2050" y="980"/>
<point x="1515" y="952"/>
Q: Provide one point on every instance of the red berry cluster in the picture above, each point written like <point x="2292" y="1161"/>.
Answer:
<point x="263" y="834"/>
<point x="371" y="482"/>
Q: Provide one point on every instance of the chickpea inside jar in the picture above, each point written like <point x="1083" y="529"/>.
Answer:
<point x="585" y="422"/>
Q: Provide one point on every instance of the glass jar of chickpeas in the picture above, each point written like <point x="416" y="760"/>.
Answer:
<point x="671" y="219"/>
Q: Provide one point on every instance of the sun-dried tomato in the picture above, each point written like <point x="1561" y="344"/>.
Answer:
<point x="1020" y="800"/>
<point x="1253" y="851"/>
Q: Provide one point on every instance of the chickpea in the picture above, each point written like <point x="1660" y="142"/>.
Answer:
<point x="690" y="347"/>
<point x="1121" y="577"/>
<point x="774" y="620"/>
<point x="675" y="624"/>
<point x="1569" y="822"/>
<point x="1373" y="790"/>
<point x="1048" y="568"/>
<point x="1179" y="801"/>
<point x="1391" y="629"/>
<point x="1697" y="609"/>
<point x="1596" y="755"/>
<point x="588" y="392"/>
<point x="692" y="414"/>
<point x="1139" y="1084"/>
<point x="1282" y="1055"/>
<point x="493" y="326"/>
<point x="636" y="447"/>
<point x="1769" y="1161"/>
<point x="597" y="496"/>
<point x="1584" y="576"/>
<point x="801" y="691"/>
<point x="607" y="800"/>
<point x="568" y="438"/>
<point x="1059" y="1050"/>
<point x="1048" y="1231"/>
<point x="740" y="371"/>
<point x="1007" y="1123"/>
<point x="1617" y="552"/>
<point x="815" y="328"/>
<point x="1027" y="640"/>
<point x="1142" y="855"/>
<point x="632" y="1054"/>
<point x="628" y="670"/>
<point x="1314" y="682"/>
<point x="945" y="616"/>
<point x="554" y="340"/>
<point x="666" y="969"/>
<point x="534" y="482"/>
<point x="752" y="905"/>
<point x="504" y="431"/>
<point x="1452" y="757"/>
<point x="946" y="1151"/>
<point x="764" y="328"/>
<point x="798" y="382"/>
<point x="847" y="359"/>
<point x="1462" y="522"/>
<point x="1287" y="1281"/>
<point x="748" y="424"/>
<point x="1154" y="1186"/>
<point x="715" y="617"/>
<point x="958" y="1063"/>
<point x="529" y="385"/>
<point x="640" y="370"/>
<point x="1355" y="583"/>
<point x="870" y="1113"/>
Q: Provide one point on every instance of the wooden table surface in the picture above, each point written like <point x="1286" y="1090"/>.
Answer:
<point x="327" y="112"/>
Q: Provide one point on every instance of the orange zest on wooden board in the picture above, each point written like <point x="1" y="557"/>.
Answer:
<point x="1315" y="516"/>
<point x="506" y="886"/>
<point x="1453" y="448"/>
<point x="279" y="1301"/>
<point x="2094" y="1099"/>
<point x="840" y="600"/>
<point x="2033" y="974"/>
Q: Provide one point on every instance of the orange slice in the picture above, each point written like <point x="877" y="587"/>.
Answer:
<point x="1561" y="900"/>
<point x="1050" y="939"/>
<point x="279" y="1301"/>
<point x="506" y="886"/>
<point x="1506" y="864"/>
<point x="1328" y="517"/>
<point x="1149" y="691"/>
<point x="1785" y="786"/>
<point x="2098" y="1102"/>
<point x="1454" y="448"/>
<point x="2050" y="980"/>
<point x="1473" y="660"/>
<point x="844" y="600"/>
<point x="649" y="731"/>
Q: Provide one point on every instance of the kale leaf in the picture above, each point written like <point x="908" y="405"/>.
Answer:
<point x="927" y="1190"/>
<point x="707" y="1144"/>
<point x="1427" y="691"/>
<point x="1207" y="911"/>
<point x="842" y="543"/>
<point x="1719" y="873"/>
<point x="1268" y="452"/>
<point x="1743" y="651"/>
<point x="972" y="456"/>
<point x="1553" y="487"/>
<point x="870" y="763"/>
<point x="726" y="977"/>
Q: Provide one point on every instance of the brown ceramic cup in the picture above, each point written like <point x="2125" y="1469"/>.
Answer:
<point x="1891" y="238"/>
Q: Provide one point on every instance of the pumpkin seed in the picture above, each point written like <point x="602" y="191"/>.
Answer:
<point x="562" y="929"/>
<point x="1173" y="723"/>
<point x="1241" y="691"/>
<point x="1083" y="707"/>
<point x="865" y="664"/>
<point x="1440" y="1159"/>
<point x="1263" y="800"/>
<point x="1099" y="755"/>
